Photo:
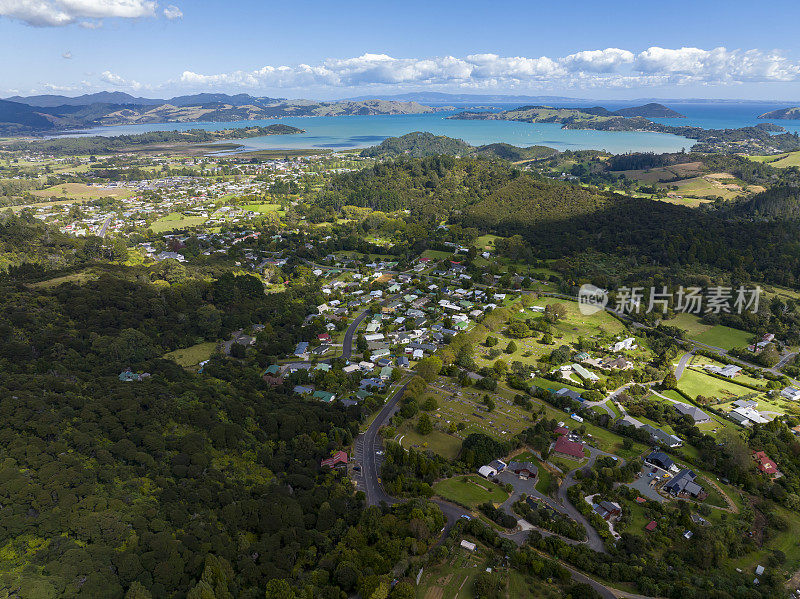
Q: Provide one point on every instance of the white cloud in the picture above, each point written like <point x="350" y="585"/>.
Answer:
<point x="118" y="81"/>
<point x="612" y="67"/>
<point x="57" y="13"/>
<point x="598" y="61"/>
<point x="67" y="55"/>
<point x="173" y="12"/>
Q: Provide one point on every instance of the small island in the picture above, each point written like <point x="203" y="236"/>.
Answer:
<point x="652" y="110"/>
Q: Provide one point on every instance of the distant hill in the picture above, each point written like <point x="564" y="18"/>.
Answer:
<point x="50" y="101"/>
<point x="792" y="114"/>
<point x="442" y="98"/>
<point x="16" y="118"/>
<point x="75" y="113"/>
<point x="420" y="144"/>
<point x="650" y="111"/>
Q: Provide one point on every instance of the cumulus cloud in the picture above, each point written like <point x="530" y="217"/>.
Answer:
<point x="119" y="81"/>
<point x="611" y="67"/>
<point x="67" y="54"/>
<point x="173" y="12"/>
<point x="598" y="61"/>
<point x="87" y="13"/>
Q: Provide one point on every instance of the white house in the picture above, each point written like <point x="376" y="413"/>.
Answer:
<point x="791" y="393"/>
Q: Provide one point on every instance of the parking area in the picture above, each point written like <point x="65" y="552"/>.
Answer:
<point x="646" y="482"/>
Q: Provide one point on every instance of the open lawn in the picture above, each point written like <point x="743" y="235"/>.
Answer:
<point x="192" y="356"/>
<point x="263" y="208"/>
<point x="175" y="221"/>
<point x="80" y="191"/>
<point x="437" y="441"/>
<point x="714" y="335"/>
<point x="471" y="490"/>
<point x="724" y="337"/>
<point x="79" y="278"/>
<point x="695" y="383"/>
<point x="779" y="161"/>
<point x="787" y="541"/>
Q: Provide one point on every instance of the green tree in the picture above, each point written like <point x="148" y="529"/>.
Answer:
<point x="511" y="347"/>
<point x="424" y="424"/>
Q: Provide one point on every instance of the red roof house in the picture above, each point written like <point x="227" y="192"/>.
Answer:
<point x="324" y="337"/>
<point x="337" y="459"/>
<point x="569" y="448"/>
<point x="651" y="526"/>
<point x="561" y="430"/>
<point x="765" y="464"/>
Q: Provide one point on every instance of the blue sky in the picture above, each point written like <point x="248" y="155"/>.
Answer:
<point x="331" y="49"/>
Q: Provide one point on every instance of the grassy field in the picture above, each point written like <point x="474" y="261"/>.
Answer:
<point x="695" y="383"/>
<point x="80" y="191"/>
<point x="471" y="490"/>
<point x="780" y="161"/>
<point x="192" y="356"/>
<point x="785" y="541"/>
<point x="438" y="442"/>
<point x="176" y="220"/>
<point x="724" y="337"/>
<point x="78" y="278"/>
<point x="716" y="335"/>
<point x="263" y="208"/>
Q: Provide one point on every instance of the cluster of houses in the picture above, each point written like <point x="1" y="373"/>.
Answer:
<point x="758" y="346"/>
<point x="680" y="483"/>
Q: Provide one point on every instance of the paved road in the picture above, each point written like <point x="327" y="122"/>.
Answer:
<point x="347" y="346"/>
<point x="104" y="228"/>
<point x="593" y="539"/>
<point x="370" y="444"/>
<point x="682" y="363"/>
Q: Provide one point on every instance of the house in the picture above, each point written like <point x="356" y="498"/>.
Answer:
<point x="301" y="349"/>
<point x="608" y="509"/>
<point x="660" y="460"/>
<point x="524" y="469"/>
<point x="272" y="370"/>
<point x="581" y="356"/>
<point x="683" y="485"/>
<point x="561" y="430"/>
<point x="325" y="396"/>
<point x="765" y="465"/>
<point x="386" y="373"/>
<point x="617" y="364"/>
<point x="625" y="344"/>
<point x="351" y="368"/>
<point x="586" y="375"/>
<point x="728" y="371"/>
<point x="487" y="472"/>
<point x="335" y="461"/>
<point x="651" y="526"/>
<point x="302" y="390"/>
<point x="791" y="393"/>
<point x="747" y="416"/>
<point x="568" y="448"/>
<point x="564" y="392"/>
<point x="698" y="415"/>
<point x="467" y="545"/>
<point x="661" y="437"/>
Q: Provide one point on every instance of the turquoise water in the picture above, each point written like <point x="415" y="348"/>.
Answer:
<point x="345" y="132"/>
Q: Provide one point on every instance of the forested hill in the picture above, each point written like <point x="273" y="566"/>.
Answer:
<point x="416" y="145"/>
<point x="781" y="202"/>
<point x="419" y="144"/>
<point x="557" y="219"/>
